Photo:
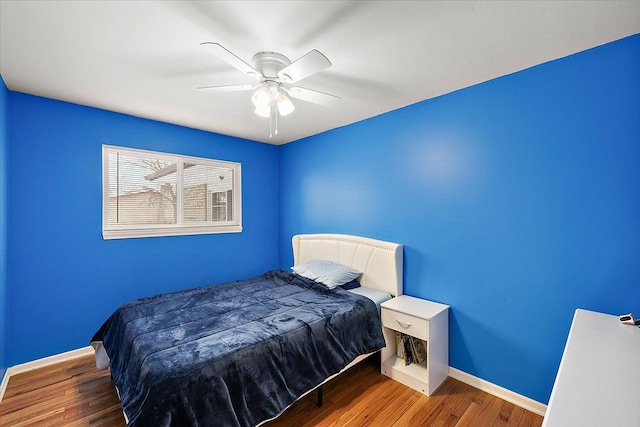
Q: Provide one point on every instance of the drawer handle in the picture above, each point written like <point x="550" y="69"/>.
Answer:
<point x="404" y="324"/>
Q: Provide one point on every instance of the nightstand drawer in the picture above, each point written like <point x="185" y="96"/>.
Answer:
<point x="406" y="323"/>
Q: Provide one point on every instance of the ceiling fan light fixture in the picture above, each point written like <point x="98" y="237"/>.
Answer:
<point x="261" y="97"/>
<point x="285" y="106"/>
<point x="263" y="110"/>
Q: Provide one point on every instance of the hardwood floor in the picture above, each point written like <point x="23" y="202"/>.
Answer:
<point x="74" y="393"/>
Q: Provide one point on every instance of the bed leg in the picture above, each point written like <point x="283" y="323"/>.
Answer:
<point x="320" y="397"/>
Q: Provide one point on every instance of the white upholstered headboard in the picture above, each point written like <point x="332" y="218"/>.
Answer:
<point x="379" y="261"/>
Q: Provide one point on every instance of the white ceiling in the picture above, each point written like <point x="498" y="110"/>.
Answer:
<point x="144" y="58"/>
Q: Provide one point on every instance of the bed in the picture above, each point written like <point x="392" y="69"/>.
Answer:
<point x="240" y="353"/>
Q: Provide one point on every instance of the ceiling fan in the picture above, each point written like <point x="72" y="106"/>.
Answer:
<point x="274" y="72"/>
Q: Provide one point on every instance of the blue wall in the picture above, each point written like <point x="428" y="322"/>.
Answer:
<point x="3" y="223"/>
<point x="517" y="200"/>
<point x="64" y="279"/>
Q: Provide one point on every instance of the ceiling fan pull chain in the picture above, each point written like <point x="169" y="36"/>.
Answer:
<point x="271" y="123"/>
<point x="276" y="114"/>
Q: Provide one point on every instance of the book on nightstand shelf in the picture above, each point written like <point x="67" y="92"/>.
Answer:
<point x="410" y="349"/>
<point x="399" y="345"/>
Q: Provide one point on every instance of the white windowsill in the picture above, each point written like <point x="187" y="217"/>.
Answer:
<point x="176" y="231"/>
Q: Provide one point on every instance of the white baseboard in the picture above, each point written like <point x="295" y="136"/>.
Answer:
<point x="3" y="384"/>
<point x="501" y="392"/>
<point x="41" y="363"/>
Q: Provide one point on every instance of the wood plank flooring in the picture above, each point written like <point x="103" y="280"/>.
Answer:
<point x="74" y="393"/>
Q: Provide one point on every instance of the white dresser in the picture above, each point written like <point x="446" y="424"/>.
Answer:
<point x="598" y="382"/>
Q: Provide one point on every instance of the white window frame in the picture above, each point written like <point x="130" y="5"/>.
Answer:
<point x="180" y="228"/>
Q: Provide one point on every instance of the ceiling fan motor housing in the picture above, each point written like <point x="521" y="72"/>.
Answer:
<point x="269" y="64"/>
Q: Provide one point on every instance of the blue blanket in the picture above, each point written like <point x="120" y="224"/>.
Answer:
<point x="233" y="354"/>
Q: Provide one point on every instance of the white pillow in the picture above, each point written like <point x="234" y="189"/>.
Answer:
<point x="330" y="274"/>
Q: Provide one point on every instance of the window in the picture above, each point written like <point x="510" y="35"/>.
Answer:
<point x="146" y="193"/>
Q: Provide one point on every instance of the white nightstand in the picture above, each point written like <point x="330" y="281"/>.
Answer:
<point x="423" y="319"/>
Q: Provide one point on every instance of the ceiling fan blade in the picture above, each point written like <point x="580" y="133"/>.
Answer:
<point x="304" y="67"/>
<point x="228" y="88"/>
<point x="231" y="59"/>
<point x="313" y="96"/>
